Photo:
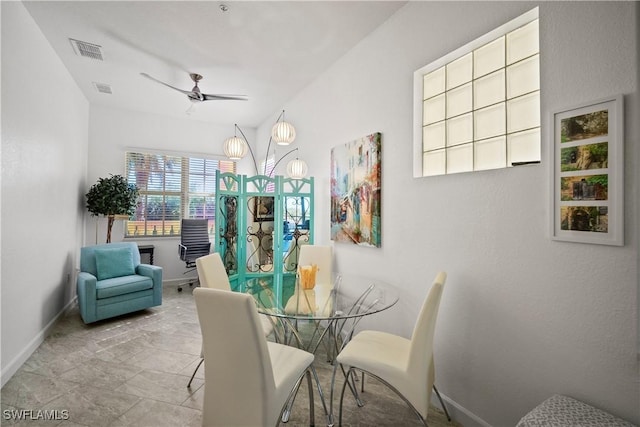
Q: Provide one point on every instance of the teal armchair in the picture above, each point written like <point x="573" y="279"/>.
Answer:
<point x="112" y="281"/>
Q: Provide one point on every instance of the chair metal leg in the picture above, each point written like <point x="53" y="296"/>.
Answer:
<point x="324" y="403"/>
<point x="192" y="280"/>
<point x="333" y="384"/>
<point x="194" y="372"/>
<point x="444" y="407"/>
<point x="352" y="387"/>
<point x="312" y="417"/>
<point x="287" y="411"/>
<point x="344" y="387"/>
<point x="442" y="403"/>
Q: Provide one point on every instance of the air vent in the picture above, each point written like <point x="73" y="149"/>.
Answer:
<point x="88" y="50"/>
<point x="102" y="88"/>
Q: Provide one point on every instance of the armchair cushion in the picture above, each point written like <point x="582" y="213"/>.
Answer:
<point x="122" y="285"/>
<point x="114" y="262"/>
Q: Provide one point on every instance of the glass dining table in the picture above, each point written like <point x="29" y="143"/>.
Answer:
<point x="333" y="309"/>
<point x="325" y="314"/>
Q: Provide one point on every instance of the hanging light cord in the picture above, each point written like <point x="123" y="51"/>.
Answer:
<point x="278" y="162"/>
<point x="266" y="157"/>
<point x="255" y="164"/>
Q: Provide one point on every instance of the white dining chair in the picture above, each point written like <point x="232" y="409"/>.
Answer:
<point x="248" y="380"/>
<point x="398" y="362"/>
<point x="212" y="275"/>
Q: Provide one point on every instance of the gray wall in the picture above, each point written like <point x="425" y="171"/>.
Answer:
<point x="522" y="316"/>
<point x="44" y="126"/>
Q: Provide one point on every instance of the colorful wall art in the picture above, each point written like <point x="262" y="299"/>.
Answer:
<point x="356" y="169"/>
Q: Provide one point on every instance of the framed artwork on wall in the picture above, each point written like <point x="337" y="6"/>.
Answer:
<point x="588" y="173"/>
<point x="263" y="207"/>
<point x="356" y="169"/>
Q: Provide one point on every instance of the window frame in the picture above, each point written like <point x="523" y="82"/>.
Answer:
<point x="418" y="84"/>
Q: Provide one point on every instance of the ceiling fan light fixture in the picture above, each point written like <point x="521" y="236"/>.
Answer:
<point x="283" y="133"/>
<point x="235" y="148"/>
<point x="297" y="169"/>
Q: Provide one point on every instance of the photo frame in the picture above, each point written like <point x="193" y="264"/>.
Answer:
<point x="263" y="208"/>
<point x="588" y="173"/>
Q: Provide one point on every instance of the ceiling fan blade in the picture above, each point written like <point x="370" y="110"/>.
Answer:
<point x="195" y="95"/>
<point x="207" y="97"/>
<point x="186" y="92"/>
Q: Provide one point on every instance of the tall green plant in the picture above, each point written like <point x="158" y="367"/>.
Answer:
<point x="110" y="197"/>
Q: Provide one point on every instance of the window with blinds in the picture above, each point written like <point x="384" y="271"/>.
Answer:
<point x="172" y="188"/>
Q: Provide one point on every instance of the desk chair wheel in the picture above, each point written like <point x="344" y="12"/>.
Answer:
<point x="182" y="284"/>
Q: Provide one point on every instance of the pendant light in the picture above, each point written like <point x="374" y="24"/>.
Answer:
<point x="297" y="169"/>
<point x="235" y="148"/>
<point x="283" y="133"/>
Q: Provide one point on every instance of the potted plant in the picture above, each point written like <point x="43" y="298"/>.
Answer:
<point x="110" y="197"/>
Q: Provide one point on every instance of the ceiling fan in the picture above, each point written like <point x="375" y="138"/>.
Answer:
<point x="195" y="95"/>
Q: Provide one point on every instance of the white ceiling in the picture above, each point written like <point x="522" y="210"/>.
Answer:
<point x="267" y="50"/>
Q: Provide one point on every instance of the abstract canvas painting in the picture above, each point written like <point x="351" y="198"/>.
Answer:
<point x="356" y="169"/>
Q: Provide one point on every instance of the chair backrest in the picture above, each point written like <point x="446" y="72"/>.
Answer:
<point x="211" y="272"/>
<point x="194" y="240"/>
<point x="88" y="255"/>
<point x="239" y="380"/>
<point x="194" y="231"/>
<point x="421" y="353"/>
<point x="322" y="256"/>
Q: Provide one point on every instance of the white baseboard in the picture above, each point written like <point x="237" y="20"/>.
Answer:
<point x="33" y="345"/>
<point x="458" y="413"/>
<point x="175" y="282"/>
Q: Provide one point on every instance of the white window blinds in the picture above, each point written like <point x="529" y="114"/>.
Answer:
<point x="171" y="188"/>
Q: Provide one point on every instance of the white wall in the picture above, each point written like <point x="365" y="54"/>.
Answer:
<point x="44" y="125"/>
<point x="112" y="132"/>
<point x="522" y="317"/>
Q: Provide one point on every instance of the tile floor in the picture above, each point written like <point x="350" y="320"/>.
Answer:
<point x="133" y="371"/>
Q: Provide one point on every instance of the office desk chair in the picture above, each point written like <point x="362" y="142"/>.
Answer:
<point x="194" y="243"/>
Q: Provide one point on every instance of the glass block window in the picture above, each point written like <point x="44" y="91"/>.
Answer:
<point x="478" y="108"/>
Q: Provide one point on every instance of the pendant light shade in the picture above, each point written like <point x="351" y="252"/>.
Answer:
<point x="283" y="133"/>
<point x="297" y="169"/>
<point x="235" y="148"/>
